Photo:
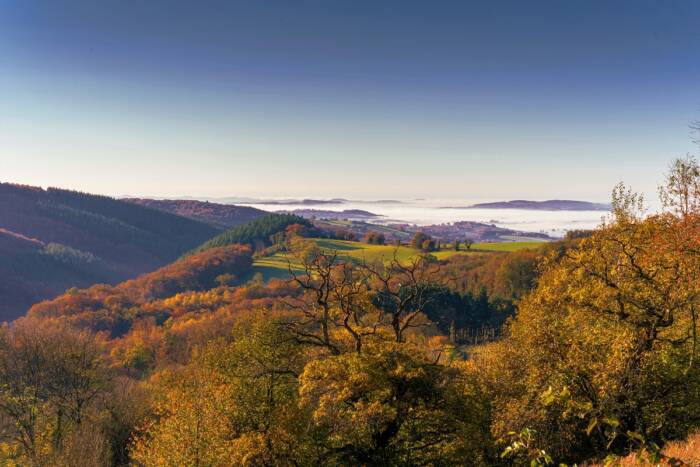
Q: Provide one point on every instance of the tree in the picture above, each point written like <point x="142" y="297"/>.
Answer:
<point x="234" y="404"/>
<point x="375" y="238"/>
<point x="418" y="239"/>
<point x="335" y="296"/>
<point x="681" y="191"/>
<point x="605" y="344"/>
<point x="50" y="375"/>
<point x="389" y="406"/>
<point x="468" y="242"/>
<point x="403" y="291"/>
<point x="456" y="245"/>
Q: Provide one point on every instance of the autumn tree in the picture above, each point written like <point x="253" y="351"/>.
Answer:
<point x="233" y="405"/>
<point x="375" y="238"/>
<point x="601" y="355"/>
<point x="681" y="190"/>
<point x="418" y="239"/>
<point x="391" y="406"/>
<point x="50" y="376"/>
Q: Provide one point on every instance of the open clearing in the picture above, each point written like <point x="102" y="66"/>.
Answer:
<point x="277" y="265"/>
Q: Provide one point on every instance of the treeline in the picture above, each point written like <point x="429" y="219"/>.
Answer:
<point x="257" y="233"/>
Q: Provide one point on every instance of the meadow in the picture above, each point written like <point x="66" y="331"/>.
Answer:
<point x="277" y="265"/>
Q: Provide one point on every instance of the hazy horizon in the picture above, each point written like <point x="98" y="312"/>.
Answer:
<point x="364" y="100"/>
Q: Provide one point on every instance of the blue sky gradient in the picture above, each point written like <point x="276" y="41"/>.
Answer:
<point x="357" y="99"/>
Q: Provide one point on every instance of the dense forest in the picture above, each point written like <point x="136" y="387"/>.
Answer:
<point x="579" y="351"/>
<point x="54" y="239"/>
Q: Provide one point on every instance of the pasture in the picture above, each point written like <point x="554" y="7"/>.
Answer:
<point x="277" y="265"/>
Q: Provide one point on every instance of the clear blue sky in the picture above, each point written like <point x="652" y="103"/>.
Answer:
<point x="347" y="98"/>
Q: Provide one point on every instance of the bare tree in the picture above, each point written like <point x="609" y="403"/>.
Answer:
<point x="314" y="305"/>
<point x="404" y="290"/>
<point x="335" y="295"/>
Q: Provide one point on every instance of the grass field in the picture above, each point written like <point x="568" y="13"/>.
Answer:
<point x="277" y="265"/>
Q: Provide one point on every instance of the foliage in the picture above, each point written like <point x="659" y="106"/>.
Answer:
<point x="389" y="406"/>
<point x="50" y="378"/>
<point x="112" y="308"/>
<point x="374" y="238"/>
<point x="348" y="362"/>
<point x="605" y="344"/>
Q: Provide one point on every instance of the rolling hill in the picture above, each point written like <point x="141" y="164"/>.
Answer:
<point x="52" y="239"/>
<point x="549" y="205"/>
<point x="277" y="265"/>
<point x="222" y="216"/>
<point x="256" y="232"/>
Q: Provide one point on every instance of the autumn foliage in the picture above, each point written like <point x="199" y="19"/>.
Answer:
<point x="357" y="363"/>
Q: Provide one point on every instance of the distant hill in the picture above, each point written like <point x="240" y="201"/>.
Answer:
<point x="219" y="215"/>
<point x="54" y="239"/>
<point x="256" y="232"/>
<point x="549" y="205"/>
<point x="289" y="201"/>
<point x="325" y="214"/>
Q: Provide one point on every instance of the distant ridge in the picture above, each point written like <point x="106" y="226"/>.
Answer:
<point x="305" y="202"/>
<point x="324" y="214"/>
<point x="302" y="202"/>
<point x="549" y="205"/>
<point x="223" y="216"/>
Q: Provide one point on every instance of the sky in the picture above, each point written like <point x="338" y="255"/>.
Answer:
<point x="359" y="99"/>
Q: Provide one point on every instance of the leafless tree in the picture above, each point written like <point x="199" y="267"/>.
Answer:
<point x="404" y="290"/>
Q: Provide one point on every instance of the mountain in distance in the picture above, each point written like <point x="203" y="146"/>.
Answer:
<point x="549" y="205"/>
<point x="305" y="202"/>
<point x="222" y="216"/>
<point x="302" y="202"/>
<point x="53" y="239"/>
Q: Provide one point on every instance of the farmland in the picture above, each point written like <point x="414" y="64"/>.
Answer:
<point x="277" y="265"/>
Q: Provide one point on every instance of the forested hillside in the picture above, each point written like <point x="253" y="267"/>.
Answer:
<point x="54" y="239"/>
<point x="219" y="215"/>
<point x="115" y="308"/>
<point x="258" y="232"/>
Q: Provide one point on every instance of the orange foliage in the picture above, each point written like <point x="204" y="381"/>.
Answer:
<point x="112" y="308"/>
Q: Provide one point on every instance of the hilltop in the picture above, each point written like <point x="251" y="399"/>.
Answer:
<point x="549" y="205"/>
<point x="219" y="215"/>
<point x="52" y="239"/>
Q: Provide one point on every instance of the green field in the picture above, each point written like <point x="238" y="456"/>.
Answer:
<point x="277" y="265"/>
